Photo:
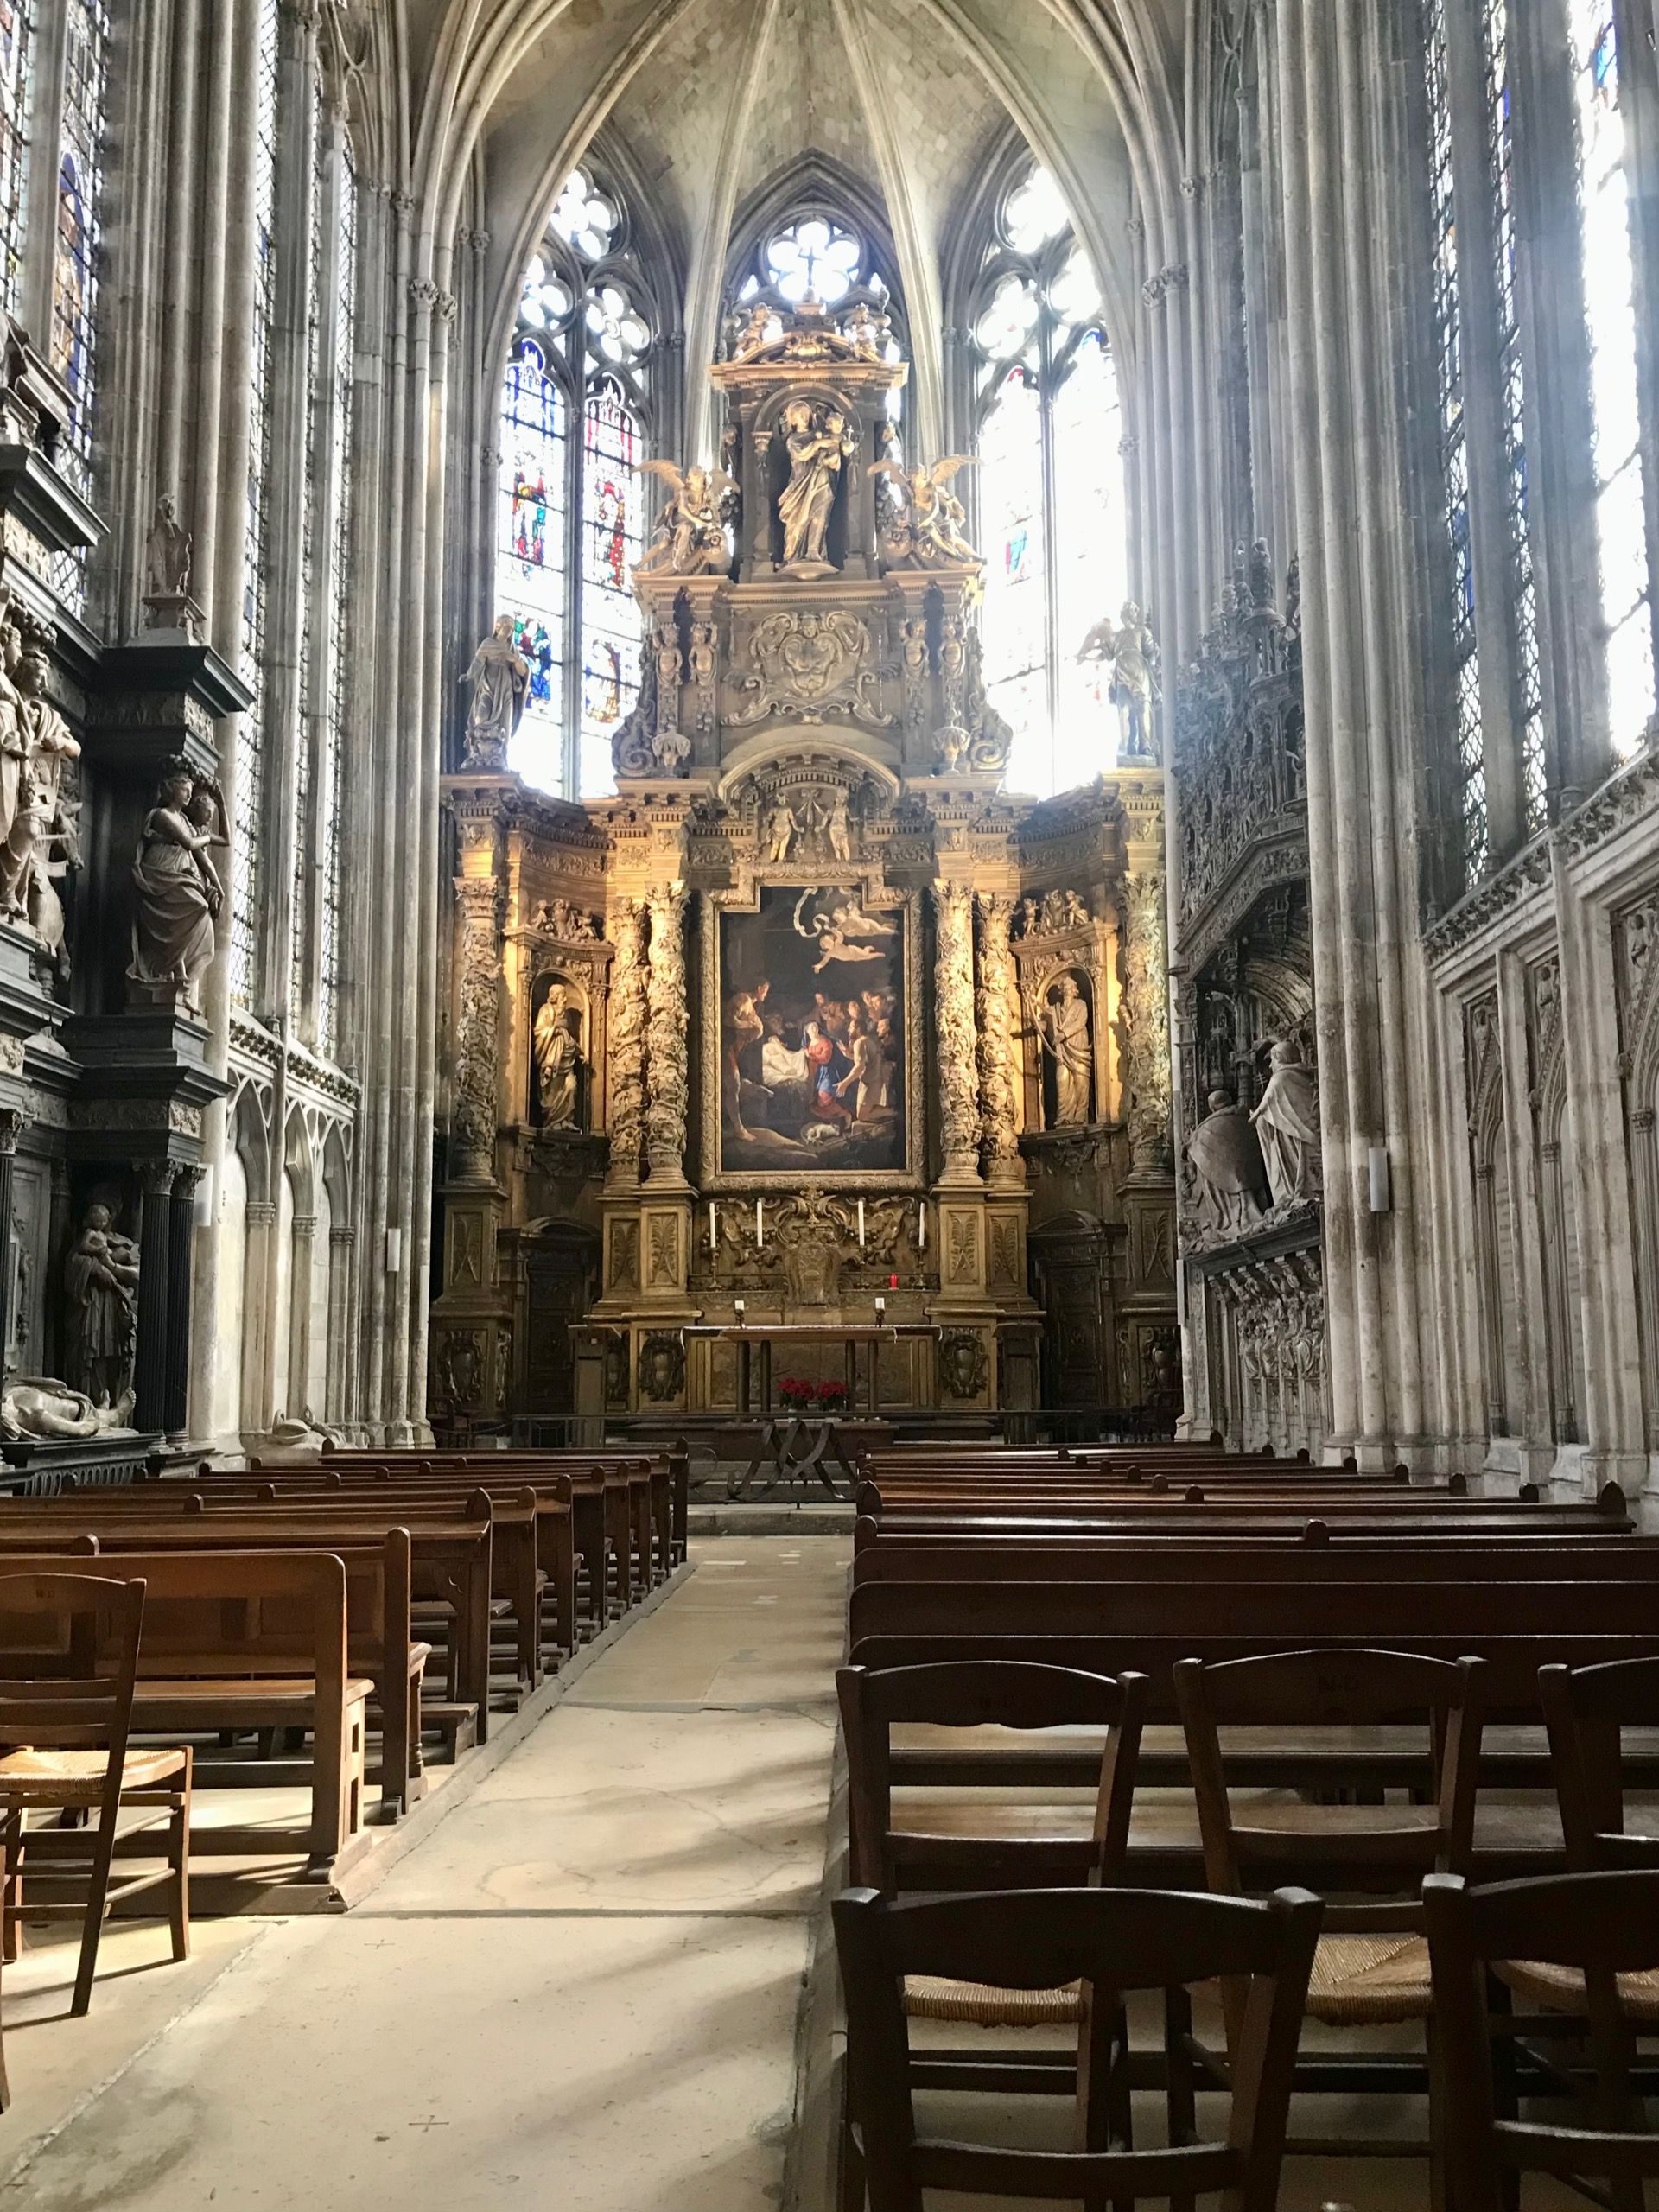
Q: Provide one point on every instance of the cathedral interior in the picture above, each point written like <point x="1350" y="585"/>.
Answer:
<point x="1159" y="700"/>
<point x="965" y="691"/>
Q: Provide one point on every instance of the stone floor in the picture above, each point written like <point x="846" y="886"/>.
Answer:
<point x="582" y="1990"/>
<point x="599" y="1983"/>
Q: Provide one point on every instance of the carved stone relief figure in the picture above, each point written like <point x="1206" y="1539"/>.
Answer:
<point x="662" y="1367"/>
<point x="1067" y="1036"/>
<point x="628" y="1016"/>
<point x="1226" y="1160"/>
<point x="1145" y="1032"/>
<point x="964" y="1366"/>
<point x="689" y="539"/>
<point x="459" y="1369"/>
<point x="567" y="923"/>
<point x="556" y="1045"/>
<point x="811" y="664"/>
<point x="927" y="525"/>
<point x="41" y="1406"/>
<point x="100" y="1280"/>
<point x="177" y="890"/>
<point x="778" y="829"/>
<point x="667" y="1064"/>
<point x="953" y="1008"/>
<point x="166" y="553"/>
<point x="38" y="823"/>
<point x="499" y="682"/>
<point x="993" y="1000"/>
<point x="1287" y="1125"/>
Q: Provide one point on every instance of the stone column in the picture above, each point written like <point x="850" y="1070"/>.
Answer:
<point x="340" y="1405"/>
<point x="11" y="1124"/>
<point x="953" y="905"/>
<point x="624" y="926"/>
<point x="180" y="1253"/>
<point x="667" y="1069"/>
<point x="993" y="1001"/>
<point x="155" y="1238"/>
<point x="475" y="1118"/>
<point x="304" y="1259"/>
<point x="1146" y="1022"/>
<point x="254" y="1412"/>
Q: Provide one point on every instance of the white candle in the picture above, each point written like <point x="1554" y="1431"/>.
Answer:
<point x="714" y="1229"/>
<point x="921" y="1224"/>
<point x="759" y="1222"/>
<point x="861" y="1224"/>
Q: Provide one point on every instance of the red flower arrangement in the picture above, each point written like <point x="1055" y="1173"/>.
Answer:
<point x="801" y="1395"/>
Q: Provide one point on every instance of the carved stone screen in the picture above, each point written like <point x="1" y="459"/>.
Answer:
<point x="812" y="1033"/>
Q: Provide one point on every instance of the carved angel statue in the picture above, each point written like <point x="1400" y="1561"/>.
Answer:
<point x="689" y="539"/>
<point x="1136" y="685"/>
<point x="929" y="530"/>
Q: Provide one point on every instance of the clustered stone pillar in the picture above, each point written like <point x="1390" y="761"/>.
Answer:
<point x="629" y="1011"/>
<point x="956" y="1044"/>
<point x="994" y="999"/>
<point x="667" y="1068"/>
<point x="11" y="1123"/>
<point x="181" y="1250"/>
<point x="155" y="1241"/>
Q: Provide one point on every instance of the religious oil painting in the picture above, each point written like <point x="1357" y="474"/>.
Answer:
<point x="812" y="1033"/>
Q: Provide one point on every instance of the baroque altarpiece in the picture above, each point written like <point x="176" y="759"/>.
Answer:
<point x="812" y="1012"/>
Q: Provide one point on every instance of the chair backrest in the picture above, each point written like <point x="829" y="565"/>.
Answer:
<point x="1585" y="1709"/>
<point x="978" y="1694"/>
<point x="1337" y="1850"/>
<point x="68" y="1655"/>
<point x="1113" y="1939"/>
<point x="1602" y="1925"/>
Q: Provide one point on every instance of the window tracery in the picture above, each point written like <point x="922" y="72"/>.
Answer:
<point x="17" y="89"/>
<point x="77" y="252"/>
<point x="1051" y="502"/>
<point x="814" y="248"/>
<point x="571" y="521"/>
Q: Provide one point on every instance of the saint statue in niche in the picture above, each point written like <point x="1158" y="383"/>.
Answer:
<point x="166" y="553"/>
<point x="558" y="1048"/>
<point x="1065" y="1035"/>
<point x="1226" y="1158"/>
<point x="818" y="443"/>
<point x="178" y="889"/>
<point x="1131" y="653"/>
<point x="499" y="676"/>
<point x="101" y="1280"/>
<point x="1287" y="1125"/>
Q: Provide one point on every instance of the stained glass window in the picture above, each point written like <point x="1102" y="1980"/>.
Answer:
<point x="571" y="524"/>
<point x="75" y="261"/>
<point x="1610" y="313"/>
<point x="331" y="763"/>
<point x="1053" y="514"/>
<point x="1454" y="450"/>
<point x="250" y="753"/>
<point x="1523" y="593"/>
<point x="17" y="73"/>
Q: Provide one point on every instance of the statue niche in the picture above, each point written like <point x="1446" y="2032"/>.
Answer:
<point x="558" y="1060"/>
<point x="815" y="440"/>
<point x="1065" y="1030"/>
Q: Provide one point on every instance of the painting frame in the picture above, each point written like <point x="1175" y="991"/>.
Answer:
<point x="717" y="909"/>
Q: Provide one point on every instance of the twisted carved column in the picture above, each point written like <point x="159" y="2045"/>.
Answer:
<point x="1146" y="1023"/>
<point x="628" y="1013"/>
<point x="992" y="998"/>
<point x="667" y="1067"/>
<point x="475" y="1117"/>
<point x="954" y="1011"/>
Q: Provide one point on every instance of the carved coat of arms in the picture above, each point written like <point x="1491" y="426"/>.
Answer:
<point x="810" y="664"/>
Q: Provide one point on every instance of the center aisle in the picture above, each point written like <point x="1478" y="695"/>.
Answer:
<point x="581" y="1991"/>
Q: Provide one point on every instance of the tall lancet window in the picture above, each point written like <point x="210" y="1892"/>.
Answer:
<point x="1610" y="312"/>
<point x="576" y="425"/>
<point x="1523" y="593"/>
<point x="1052" y="517"/>
<point x="250" y="753"/>
<point x="78" y="251"/>
<point x="17" y="89"/>
<point x="1454" y="450"/>
<point x="340" y="395"/>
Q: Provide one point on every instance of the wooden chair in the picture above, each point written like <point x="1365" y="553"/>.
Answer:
<point x="1372" y="1965"/>
<point x="980" y="1694"/>
<point x="1602" y="1929"/>
<point x="1122" y="1940"/>
<point x="1585" y="1710"/>
<point x="69" y="1650"/>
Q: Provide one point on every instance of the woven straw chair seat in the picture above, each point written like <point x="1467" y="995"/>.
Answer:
<point x="31" y="1778"/>
<point x="1561" y="1988"/>
<point x="930" y="1997"/>
<point x="1361" y="1982"/>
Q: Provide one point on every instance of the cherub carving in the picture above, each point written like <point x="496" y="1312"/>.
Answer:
<point x="689" y="539"/>
<point x="930" y="530"/>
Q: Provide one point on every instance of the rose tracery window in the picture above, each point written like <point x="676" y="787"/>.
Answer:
<point x="1053" y="513"/>
<point x="575" y="423"/>
<point x="817" y="252"/>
